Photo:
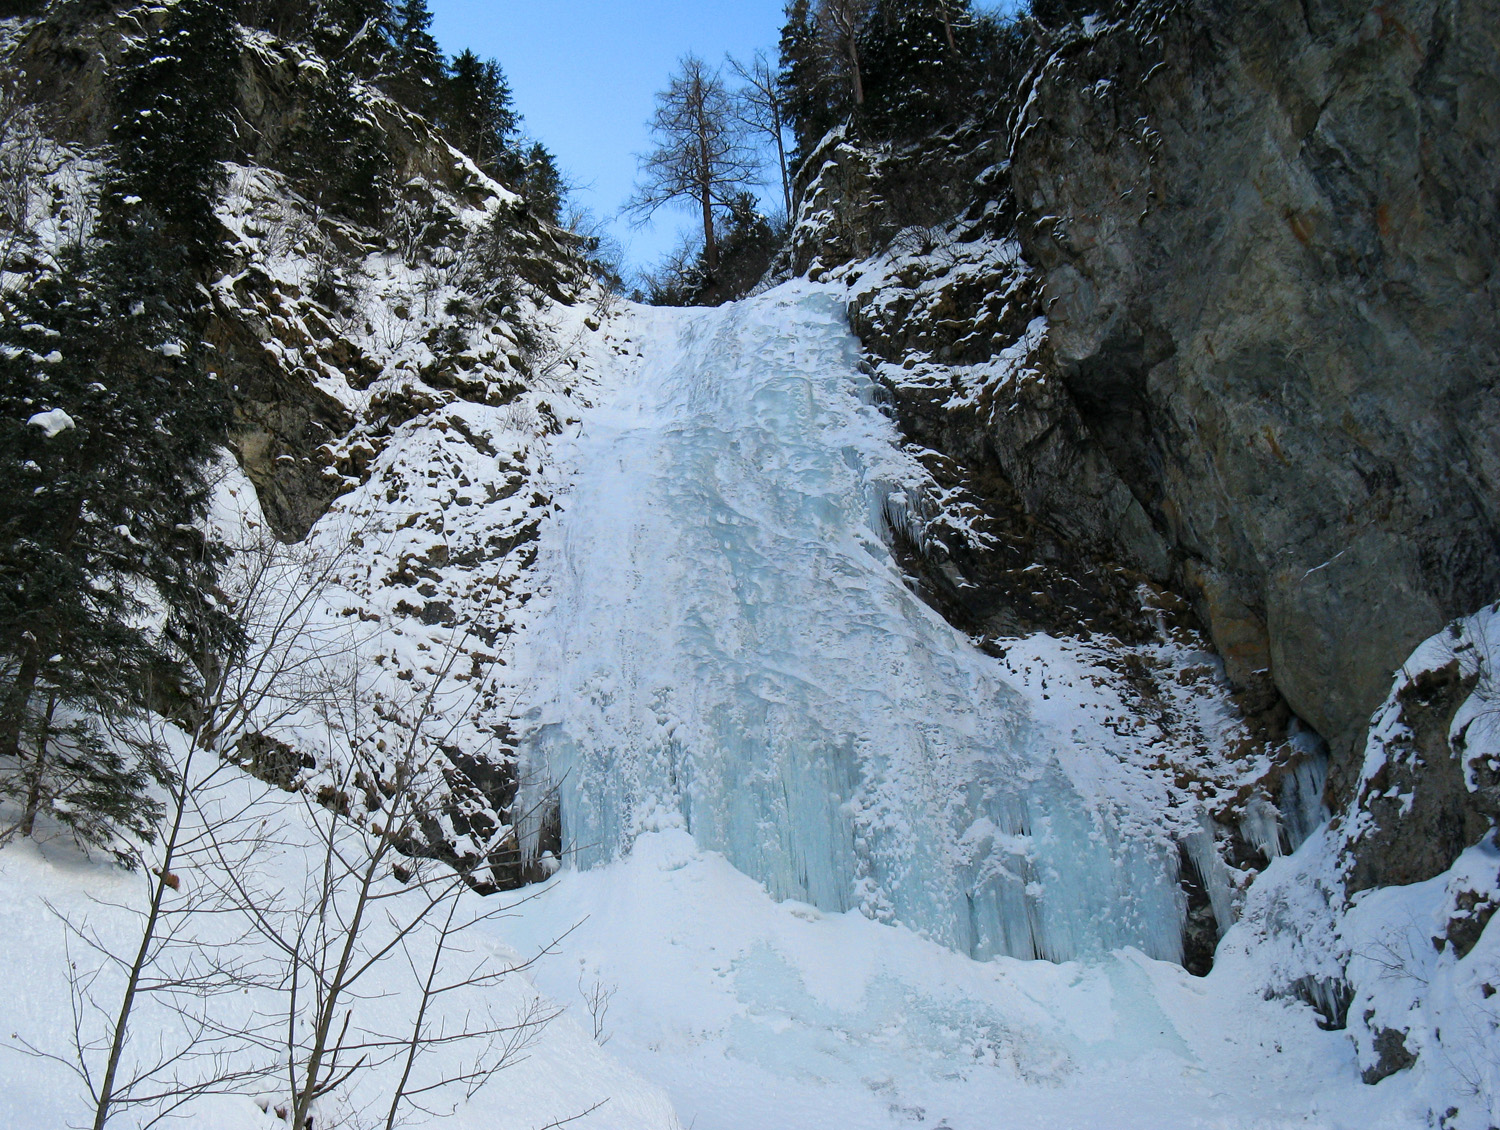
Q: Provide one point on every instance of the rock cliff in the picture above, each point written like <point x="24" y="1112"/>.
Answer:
<point x="393" y="374"/>
<point x="1222" y="312"/>
<point x="1267" y="235"/>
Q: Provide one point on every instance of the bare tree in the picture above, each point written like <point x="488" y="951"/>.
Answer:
<point x="840" y="24"/>
<point x="701" y="157"/>
<point x="274" y="590"/>
<point x="760" y="109"/>
<point x="370" y="896"/>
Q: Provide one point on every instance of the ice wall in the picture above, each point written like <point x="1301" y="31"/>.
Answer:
<point x="727" y="644"/>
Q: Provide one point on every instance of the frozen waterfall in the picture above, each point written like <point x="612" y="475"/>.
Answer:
<point x="728" y="645"/>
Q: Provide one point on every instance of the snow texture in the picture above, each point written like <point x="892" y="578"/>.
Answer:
<point x="559" y="1074"/>
<point x="1384" y="962"/>
<point x="53" y="423"/>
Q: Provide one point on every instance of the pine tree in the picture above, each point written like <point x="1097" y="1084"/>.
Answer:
<point x="417" y="66"/>
<point x="931" y="64"/>
<point x="172" y="125"/>
<point x="108" y="413"/>
<point x="476" y="113"/>
<point x="747" y="244"/>
<point x="916" y="66"/>
<point x="356" y="34"/>
<point x="107" y="417"/>
<point x="336" y="153"/>
<point x="540" y="183"/>
<point x="815" y="98"/>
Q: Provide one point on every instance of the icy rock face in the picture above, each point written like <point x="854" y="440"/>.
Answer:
<point x="729" y="646"/>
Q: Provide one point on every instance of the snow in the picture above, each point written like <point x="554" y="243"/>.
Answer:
<point x="558" y="1076"/>
<point x="53" y="422"/>
<point x="755" y="1013"/>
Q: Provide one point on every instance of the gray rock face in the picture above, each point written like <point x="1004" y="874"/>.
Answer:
<point x="1267" y="234"/>
<point x="1430" y="785"/>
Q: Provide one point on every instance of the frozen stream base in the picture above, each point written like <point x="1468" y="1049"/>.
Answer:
<point x="764" y="1015"/>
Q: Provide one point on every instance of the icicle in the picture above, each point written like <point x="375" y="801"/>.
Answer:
<point x="1260" y="825"/>
<point x="1301" y="795"/>
<point x="1214" y="874"/>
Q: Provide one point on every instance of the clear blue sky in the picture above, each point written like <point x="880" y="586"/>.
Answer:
<point x="585" y="75"/>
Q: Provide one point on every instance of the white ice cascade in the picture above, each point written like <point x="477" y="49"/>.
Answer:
<point x="728" y="645"/>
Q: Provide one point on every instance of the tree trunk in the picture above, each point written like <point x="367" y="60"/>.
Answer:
<point x="786" y="181"/>
<point x="859" y="82"/>
<point x="13" y="718"/>
<point x="37" y="773"/>
<point x="106" y="1099"/>
<point x="12" y="724"/>
<point x="710" y="245"/>
<point x="315" y="1083"/>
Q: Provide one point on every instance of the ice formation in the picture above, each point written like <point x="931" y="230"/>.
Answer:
<point x="729" y="646"/>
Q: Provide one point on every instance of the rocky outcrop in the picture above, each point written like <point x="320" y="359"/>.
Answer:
<point x="1384" y="924"/>
<point x="1267" y="236"/>
<point x="1246" y="344"/>
<point x="1430" y="784"/>
<point x="855" y="197"/>
<point x="287" y="351"/>
<point x="283" y="421"/>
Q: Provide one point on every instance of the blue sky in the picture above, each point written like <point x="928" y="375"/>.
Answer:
<point x="585" y="75"/>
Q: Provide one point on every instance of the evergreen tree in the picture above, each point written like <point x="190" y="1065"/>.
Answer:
<point x="354" y="34"/>
<point x="540" y="183"/>
<point x="477" y="115"/>
<point x="172" y="125"/>
<point x="920" y="58"/>
<point x="107" y="415"/>
<point x="417" y="66"/>
<point x="815" y="98"/>
<point x="747" y="244"/>
<point x="336" y="153"/>
<point x="102" y="441"/>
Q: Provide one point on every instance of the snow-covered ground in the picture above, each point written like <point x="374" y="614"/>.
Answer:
<point x="757" y="1014"/>
<point x="50" y="899"/>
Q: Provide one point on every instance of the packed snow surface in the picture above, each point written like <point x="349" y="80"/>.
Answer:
<point x="50" y="898"/>
<point x="765" y="1015"/>
<point x="730" y="646"/>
